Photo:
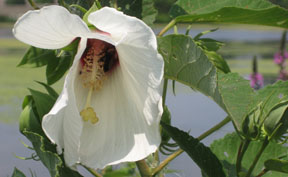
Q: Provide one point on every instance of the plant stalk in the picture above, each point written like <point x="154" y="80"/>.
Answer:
<point x="167" y="27"/>
<point x="242" y="149"/>
<point x="143" y="168"/>
<point x="33" y="4"/>
<point x="164" y="94"/>
<point x="165" y="162"/>
<point x="263" y="172"/>
<point x="93" y="172"/>
<point x="264" y="145"/>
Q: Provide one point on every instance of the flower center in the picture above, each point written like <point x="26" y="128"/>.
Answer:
<point x="97" y="61"/>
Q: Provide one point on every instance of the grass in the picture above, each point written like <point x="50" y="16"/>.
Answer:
<point x="15" y="80"/>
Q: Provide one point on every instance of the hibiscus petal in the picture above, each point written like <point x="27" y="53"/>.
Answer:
<point x="128" y="106"/>
<point x="51" y="27"/>
<point x="123" y="28"/>
<point x="63" y="124"/>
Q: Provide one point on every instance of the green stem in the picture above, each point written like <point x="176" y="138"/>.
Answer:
<point x="62" y="3"/>
<point x="167" y="27"/>
<point x="215" y="128"/>
<point x="33" y="4"/>
<point x="242" y="149"/>
<point x="164" y="92"/>
<point x="263" y="172"/>
<point x="93" y="172"/>
<point x="264" y="145"/>
<point x="143" y="168"/>
<point x="165" y="162"/>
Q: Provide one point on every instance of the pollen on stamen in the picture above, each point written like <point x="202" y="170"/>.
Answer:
<point x="97" y="61"/>
<point x="89" y="114"/>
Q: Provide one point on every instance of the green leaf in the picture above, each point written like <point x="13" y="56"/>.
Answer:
<point x="226" y="149"/>
<point x="277" y="165"/>
<point x="184" y="7"/>
<point x="149" y="12"/>
<point x="49" y="89"/>
<point x="43" y="102"/>
<point x="28" y="120"/>
<point x="142" y="9"/>
<point x="47" y="154"/>
<point x="197" y="37"/>
<point x="274" y="16"/>
<point x="188" y="64"/>
<point x="93" y="8"/>
<point x="36" y="57"/>
<point x="209" y="44"/>
<point x="277" y="94"/>
<point x="84" y="4"/>
<point x="200" y="154"/>
<point x="275" y="124"/>
<point x="237" y="96"/>
<point x="26" y="101"/>
<point x="166" y="118"/>
<point x="58" y="66"/>
<point x="218" y="61"/>
<point x="17" y="173"/>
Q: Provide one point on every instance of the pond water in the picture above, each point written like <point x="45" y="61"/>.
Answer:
<point x="191" y="111"/>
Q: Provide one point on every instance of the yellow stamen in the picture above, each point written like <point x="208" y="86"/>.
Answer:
<point x="88" y="112"/>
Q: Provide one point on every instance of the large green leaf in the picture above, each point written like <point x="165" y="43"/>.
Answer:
<point x="277" y="165"/>
<point x="185" y="7"/>
<point x="274" y="16"/>
<point x="258" y="12"/>
<point x="17" y="173"/>
<point x="226" y="150"/>
<point x="47" y="154"/>
<point x="201" y="154"/>
<point x="237" y="96"/>
<point x="187" y="63"/>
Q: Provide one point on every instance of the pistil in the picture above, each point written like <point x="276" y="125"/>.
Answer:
<point x="88" y="112"/>
<point x="97" y="62"/>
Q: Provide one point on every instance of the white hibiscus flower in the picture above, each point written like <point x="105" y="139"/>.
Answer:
<point x="110" y="107"/>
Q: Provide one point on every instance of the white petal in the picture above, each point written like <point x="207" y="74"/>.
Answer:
<point x="51" y="27"/>
<point x="123" y="28"/>
<point x="63" y="124"/>
<point x="129" y="110"/>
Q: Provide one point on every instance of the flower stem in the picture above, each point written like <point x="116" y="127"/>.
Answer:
<point x="167" y="27"/>
<point x="143" y="168"/>
<point x="93" y="172"/>
<point x="33" y="4"/>
<point x="242" y="149"/>
<point x="264" y="145"/>
<point x="165" y="162"/>
<point x="164" y="91"/>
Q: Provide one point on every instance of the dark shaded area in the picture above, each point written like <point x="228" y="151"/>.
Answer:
<point x="163" y="7"/>
<point x="282" y="3"/>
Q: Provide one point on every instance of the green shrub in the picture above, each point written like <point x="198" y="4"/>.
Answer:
<point x="44" y="1"/>
<point x="15" y="2"/>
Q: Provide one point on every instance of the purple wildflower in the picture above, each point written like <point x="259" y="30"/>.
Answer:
<point x="279" y="59"/>
<point x="256" y="80"/>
